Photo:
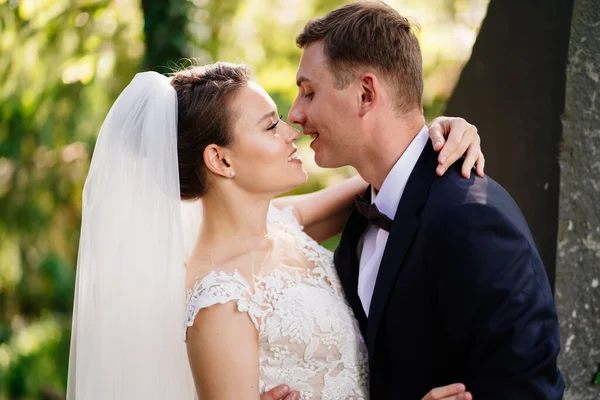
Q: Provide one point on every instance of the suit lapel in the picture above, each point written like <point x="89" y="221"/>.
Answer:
<point x="347" y="263"/>
<point x="404" y="228"/>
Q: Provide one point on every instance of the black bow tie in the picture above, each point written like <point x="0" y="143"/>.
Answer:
<point x="372" y="214"/>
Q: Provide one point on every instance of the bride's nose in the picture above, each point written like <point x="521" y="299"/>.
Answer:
<point x="292" y="135"/>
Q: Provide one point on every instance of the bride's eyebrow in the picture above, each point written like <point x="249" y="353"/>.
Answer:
<point x="271" y="114"/>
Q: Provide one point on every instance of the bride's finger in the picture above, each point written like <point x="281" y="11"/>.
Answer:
<point x="445" y="392"/>
<point x="480" y="164"/>
<point x="455" y="147"/>
<point x="473" y="153"/>
<point x="436" y="135"/>
<point x="458" y="129"/>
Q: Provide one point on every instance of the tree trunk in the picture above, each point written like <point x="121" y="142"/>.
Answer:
<point x="578" y="262"/>
<point x="513" y="90"/>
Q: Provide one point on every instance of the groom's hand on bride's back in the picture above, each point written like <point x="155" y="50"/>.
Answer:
<point x="453" y="138"/>
<point x="456" y="391"/>
<point x="281" y="392"/>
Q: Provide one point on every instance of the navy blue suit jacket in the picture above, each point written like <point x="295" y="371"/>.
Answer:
<point x="461" y="294"/>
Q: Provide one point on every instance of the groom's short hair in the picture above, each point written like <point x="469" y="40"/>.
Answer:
<point x="370" y="34"/>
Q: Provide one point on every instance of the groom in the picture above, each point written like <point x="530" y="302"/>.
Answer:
<point x="442" y="272"/>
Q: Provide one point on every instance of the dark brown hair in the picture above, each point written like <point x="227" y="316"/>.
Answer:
<point x="370" y="34"/>
<point x="204" y="118"/>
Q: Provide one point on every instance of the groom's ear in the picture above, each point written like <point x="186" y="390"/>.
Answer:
<point x="369" y="93"/>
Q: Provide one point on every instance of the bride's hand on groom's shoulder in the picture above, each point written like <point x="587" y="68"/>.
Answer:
<point x="454" y="137"/>
<point x="281" y="392"/>
<point x="456" y="391"/>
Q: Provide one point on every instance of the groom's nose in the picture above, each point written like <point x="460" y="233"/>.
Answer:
<point x="296" y="114"/>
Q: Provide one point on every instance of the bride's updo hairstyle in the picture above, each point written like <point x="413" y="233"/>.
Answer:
<point x="204" y="118"/>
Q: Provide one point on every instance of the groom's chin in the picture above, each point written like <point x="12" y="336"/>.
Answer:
<point x="325" y="162"/>
<point x="323" y="158"/>
<point x="319" y="160"/>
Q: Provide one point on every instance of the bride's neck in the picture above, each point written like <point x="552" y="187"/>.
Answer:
<point x="233" y="216"/>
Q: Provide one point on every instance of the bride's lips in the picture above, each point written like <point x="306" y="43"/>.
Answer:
<point x="294" y="157"/>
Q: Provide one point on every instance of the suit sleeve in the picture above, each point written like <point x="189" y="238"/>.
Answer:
<point x="496" y="304"/>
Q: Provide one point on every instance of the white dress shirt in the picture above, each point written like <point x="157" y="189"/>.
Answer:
<point x="372" y="244"/>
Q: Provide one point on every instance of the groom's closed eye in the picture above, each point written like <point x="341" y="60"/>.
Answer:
<point x="308" y="92"/>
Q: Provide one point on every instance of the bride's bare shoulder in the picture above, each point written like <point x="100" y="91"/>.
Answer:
<point x="231" y="262"/>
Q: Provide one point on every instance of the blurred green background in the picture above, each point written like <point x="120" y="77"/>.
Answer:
<point x="62" y="64"/>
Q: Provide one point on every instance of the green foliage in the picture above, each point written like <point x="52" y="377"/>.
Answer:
<point x="57" y="74"/>
<point x="62" y="64"/>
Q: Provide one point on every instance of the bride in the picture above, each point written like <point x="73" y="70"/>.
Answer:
<point x="236" y="281"/>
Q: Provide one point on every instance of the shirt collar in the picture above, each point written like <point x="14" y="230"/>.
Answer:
<point x="388" y="197"/>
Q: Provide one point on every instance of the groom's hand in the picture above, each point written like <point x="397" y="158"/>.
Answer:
<point x="456" y="391"/>
<point x="455" y="137"/>
<point x="281" y="392"/>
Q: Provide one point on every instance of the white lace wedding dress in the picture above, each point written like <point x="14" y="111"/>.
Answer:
<point x="308" y="336"/>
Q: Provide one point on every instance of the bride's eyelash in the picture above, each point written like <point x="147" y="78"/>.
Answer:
<point x="274" y="124"/>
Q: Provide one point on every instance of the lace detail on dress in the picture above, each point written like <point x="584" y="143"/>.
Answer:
<point x="283" y="217"/>
<point x="315" y="253"/>
<point x="308" y="336"/>
<point x="220" y="288"/>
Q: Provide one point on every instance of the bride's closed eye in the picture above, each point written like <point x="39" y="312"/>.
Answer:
<point x="274" y="124"/>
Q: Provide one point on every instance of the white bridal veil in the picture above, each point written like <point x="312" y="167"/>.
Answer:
<point x="128" y="319"/>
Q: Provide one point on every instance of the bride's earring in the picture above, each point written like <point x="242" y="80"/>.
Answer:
<point x="232" y="174"/>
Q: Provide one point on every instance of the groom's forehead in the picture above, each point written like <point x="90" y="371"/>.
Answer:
<point x="313" y="55"/>
<point x="312" y="63"/>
